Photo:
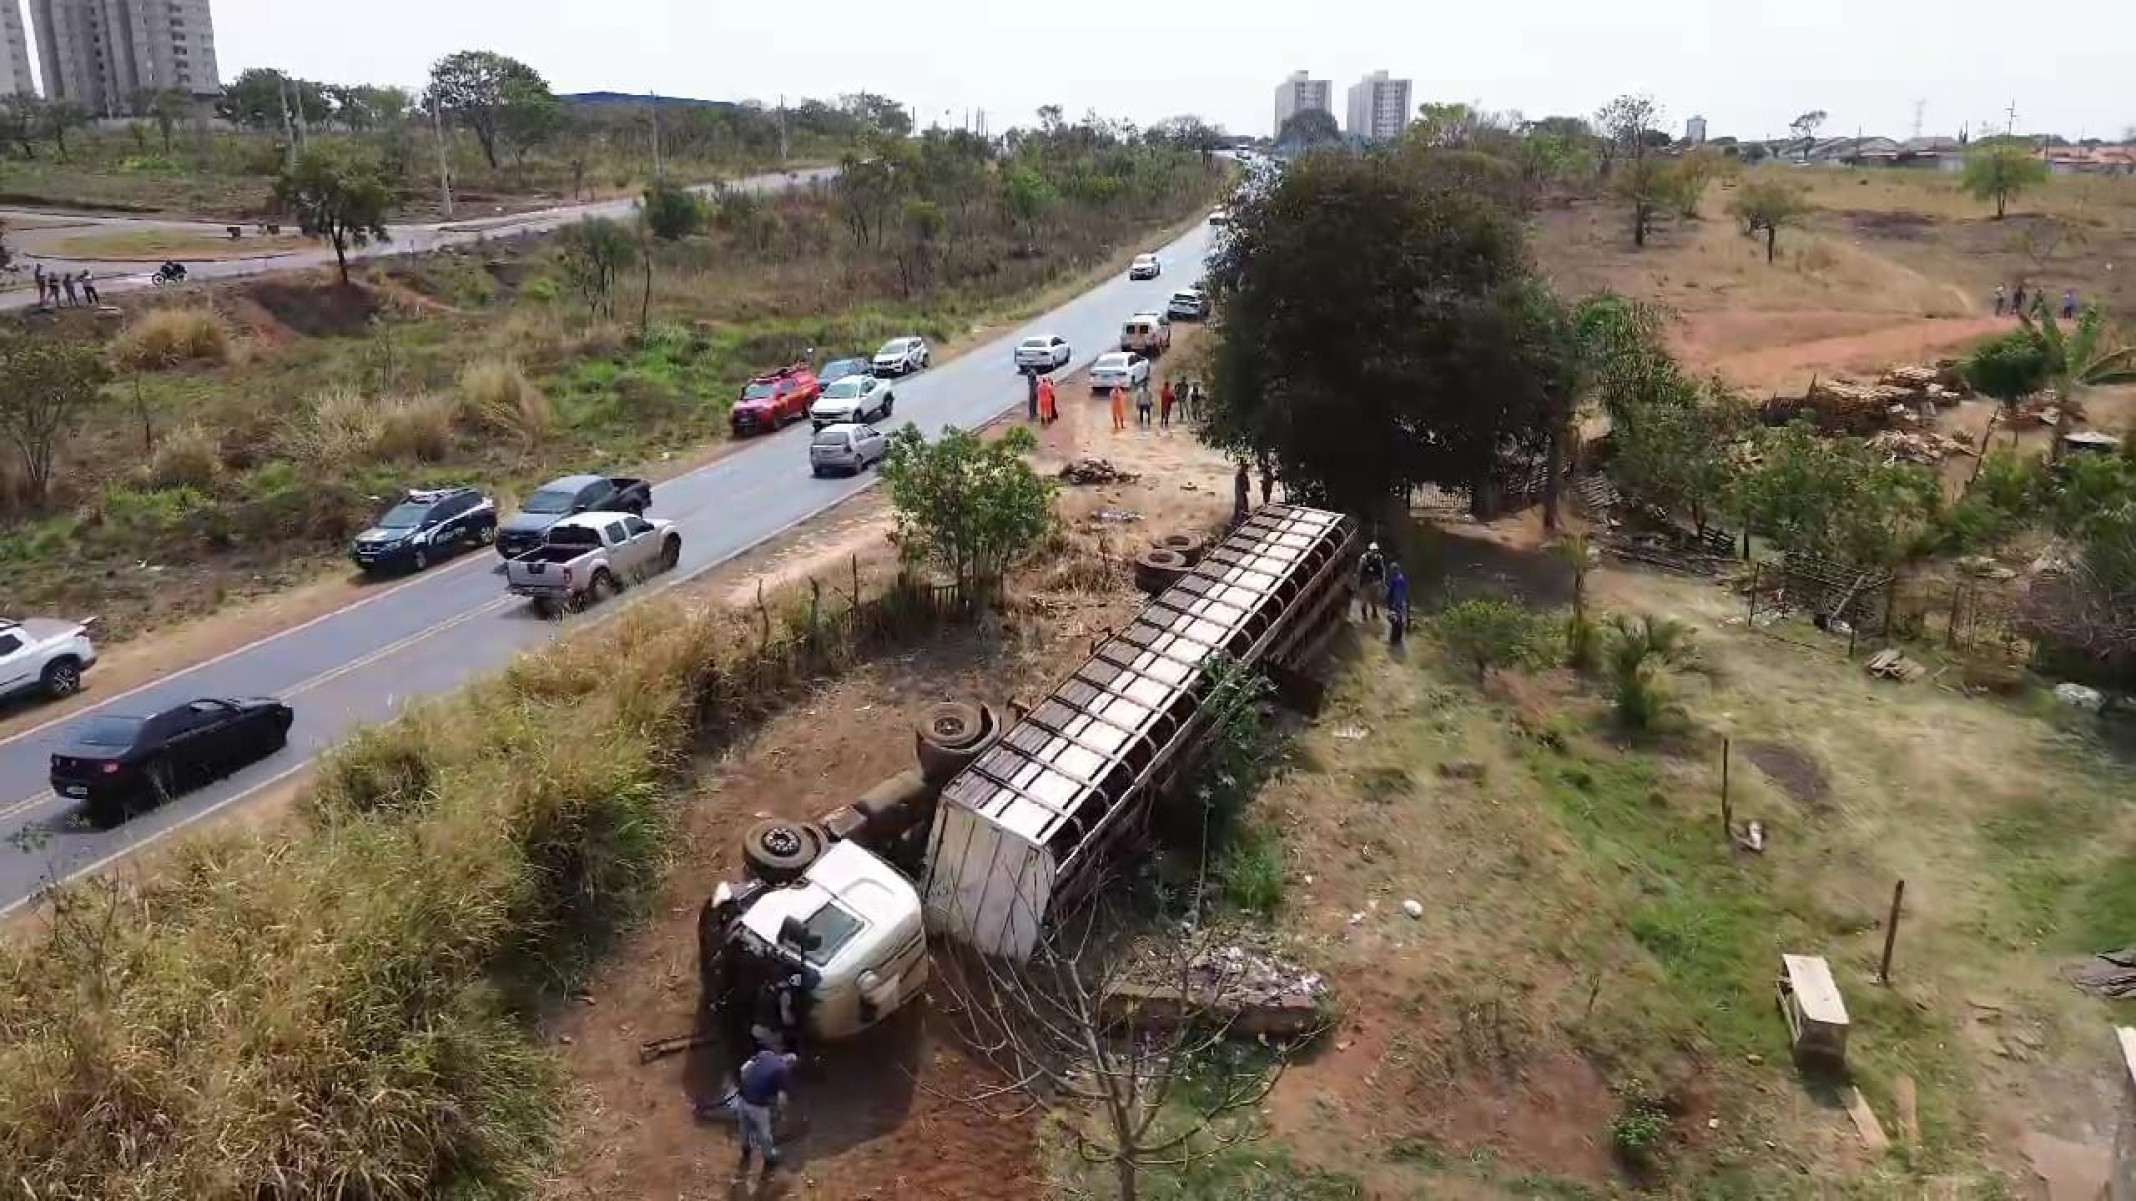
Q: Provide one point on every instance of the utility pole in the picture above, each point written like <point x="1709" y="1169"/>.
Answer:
<point x="437" y="131"/>
<point x="2011" y="128"/>
<point x="782" y="127"/>
<point x="1920" y="107"/>
<point x="289" y="128"/>
<point x="657" y="170"/>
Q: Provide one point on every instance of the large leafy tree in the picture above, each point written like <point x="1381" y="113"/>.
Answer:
<point x="1768" y="204"/>
<point x="487" y="92"/>
<point x="966" y="506"/>
<point x="255" y="99"/>
<point x="50" y="385"/>
<point x="1379" y="332"/>
<point x="337" y="193"/>
<point x="1309" y="129"/>
<point x="595" y="253"/>
<point x="1999" y="173"/>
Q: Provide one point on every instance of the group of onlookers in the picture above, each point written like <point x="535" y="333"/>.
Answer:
<point x="2013" y="303"/>
<point x="58" y="289"/>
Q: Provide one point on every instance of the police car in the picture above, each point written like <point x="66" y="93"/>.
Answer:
<point x="424" y="527"/>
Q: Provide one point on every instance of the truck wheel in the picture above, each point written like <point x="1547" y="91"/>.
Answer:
<point x="777" y="851"/>
<point x="421" y="558"/>
<point x="1191" y="547"/>
<point x="62" y="678"/>
<point x="670" y="553"/>
<point x="1157" y="570"/>
<point x="485" y="534"/>
<point x="948" y="737"/>
<point x="600" y="588"/>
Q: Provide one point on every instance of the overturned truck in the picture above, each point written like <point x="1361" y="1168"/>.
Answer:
<point x="999" y="828"/>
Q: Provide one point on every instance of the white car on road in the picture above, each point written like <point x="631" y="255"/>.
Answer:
<point x="848" y="448"/>
<point x="854" y="398"/>
<point x="1044" y="353"/>
<point x="1119" y="370"/>
<point x="44" y="655"/>
<point x="901" y="356"/>
<point x="1145" y="266"/>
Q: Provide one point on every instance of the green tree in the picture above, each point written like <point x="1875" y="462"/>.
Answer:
<point x="923" y="225"/>
<point x="1028" y="197"/>
<point x="1768" y="204"/>
<point x="530" y="117"/>
<point x="1837" y="498"/>
<point x="1434" y="369"/>
<point x="1450" y="125"/>
<point x="1488" y="633"/>
<point x="594" y="253"/>
<point x="2086" y="357"/>
<point x="481" y="89"/>
<point x="2000" y="173"/>
<point x="1638" y="651"/>
<point x="672" y="211"/>
<point x="50" y="385"/>
<point x="1698" y="167"/>
<point x="1672" y="450"/>
<point x="20" y="121"/>
<point x="1623" y="124"/>
<point x="337" y="193"/>
<point x="361" y="108"/>
<point x="964" y="505"/>
<point x="256" y="97"/>
<point x="168" y="106"/>
<point x="879" y="113"/>
<point x="871" y="187"/>
<point x="1804" y="128"/>
<point x="1649" y="186"/>
<point x="1309" y="129"/>
<point x="58" y="117"/>
<point x="2008" y="367"/>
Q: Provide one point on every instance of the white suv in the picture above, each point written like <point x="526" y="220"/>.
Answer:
<point x="44" y="655"/>
<point x="901" y="356"/>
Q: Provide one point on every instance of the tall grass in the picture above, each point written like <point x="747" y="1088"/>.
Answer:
<point x="415" y="427"/>
<point x="187" y="457"/>
<point x="338" y="1007"/>
<point x="496" y="395"/>
<point x="170" y="337"/>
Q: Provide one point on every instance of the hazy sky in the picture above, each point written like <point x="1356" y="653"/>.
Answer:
<point x="1748" y="65"/>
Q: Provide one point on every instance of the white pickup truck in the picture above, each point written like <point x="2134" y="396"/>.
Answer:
<point x="589" y="557"/>
<point x="44" y="655"/>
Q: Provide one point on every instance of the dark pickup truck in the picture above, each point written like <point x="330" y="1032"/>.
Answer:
<point x="567" y="497"/>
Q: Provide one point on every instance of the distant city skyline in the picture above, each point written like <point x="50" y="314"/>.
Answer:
<point x="1748" y="69"/>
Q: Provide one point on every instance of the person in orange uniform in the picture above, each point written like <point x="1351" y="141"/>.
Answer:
<point x="1119" y="408"/>
<point x="1047" y="413"/>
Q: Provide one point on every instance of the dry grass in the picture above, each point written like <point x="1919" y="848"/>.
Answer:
<point x="170" y="337"/>
<point x="187" y="457"/>
<point x="496" y="395"/>
<point x="416" y="427"/>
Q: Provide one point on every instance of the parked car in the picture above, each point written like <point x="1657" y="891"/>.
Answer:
<point x="901" y="356"/>
<point x="1118" y="370"/>
<point x="838" y="369"/>
<point x="854" y="398"/>
<point x="426" y="526"/>
<point x="1045" y="353"/>
<point x="116" y="764"/>
<point x="1191" y="304"/>
<point x="44" y="655"/>
<point x="1219" y="217"/>
<point x="588" y="558"/>
<point x="1147" y="334"/>
<point x="1145" y="266"/>
<point x="772" y="401"/>
<point x="573" y="494"/>
<point x="850" y="448"/>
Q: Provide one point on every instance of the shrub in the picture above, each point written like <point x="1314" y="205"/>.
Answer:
<point x="496" y="395"/>
<point x="187" y="457"/>
<point x="1491" y="633"/>
<point x="1251" y="870"/>
<point x="2008" y="368"/>
<point x="169" y="337"/>
<point x="1639" y="1129"/>
<point x="415" y="427"/>
<point x="1638" y="650"/>
<point x="341" y="429"/>
<point x="672" y="211"/>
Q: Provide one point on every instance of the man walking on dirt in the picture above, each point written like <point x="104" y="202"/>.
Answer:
<point x="1165" y="401"/>
<point x="1241" y="494"/>
<point x="1371" y="581"/>
<point x="759" y="1095"/>
<point x="68" y="282"/>
<point x="1031" y="400"/>
<point x="1048" y="401"/>
<point x="1119" y="409"/>
<point x="1397" y="604"/>
<point x="2000" y="297"/>
<point x="89" y="288"/>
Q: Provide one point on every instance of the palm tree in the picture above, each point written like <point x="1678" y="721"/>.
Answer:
<point x="1638" y="650"/>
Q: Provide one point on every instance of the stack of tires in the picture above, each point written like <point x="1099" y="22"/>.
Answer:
<point x="1170" y="556"/>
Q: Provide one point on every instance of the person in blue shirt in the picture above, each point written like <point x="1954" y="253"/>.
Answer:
<point x="760" y="1092"/>
<point x="1397" y="604"/>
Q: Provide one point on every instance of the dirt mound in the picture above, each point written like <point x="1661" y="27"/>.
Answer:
<point x="315" y="310"/>
<point x="1898" y="224"/>
<point x="1793" y="769"/>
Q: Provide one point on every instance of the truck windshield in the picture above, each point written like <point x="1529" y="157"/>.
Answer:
<point x="547" y="501"/>
<point x="833" y="928"/>
<point x="759" y="392"/>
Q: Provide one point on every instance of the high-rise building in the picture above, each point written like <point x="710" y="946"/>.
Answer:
<point x="1379" y="107"/>
<point x="1298" y="94"/>
<point x="15" y="77"/>
<point x="1695" y="131"/>
<point x="100" y="54"/>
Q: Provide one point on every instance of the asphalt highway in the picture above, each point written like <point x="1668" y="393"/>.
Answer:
<point x="432" y="632"/>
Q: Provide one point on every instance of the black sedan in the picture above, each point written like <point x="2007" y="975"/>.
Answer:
<point x="114" y="765"/>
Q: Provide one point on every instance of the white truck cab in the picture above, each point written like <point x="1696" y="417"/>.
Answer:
<point x="863" y="938"/>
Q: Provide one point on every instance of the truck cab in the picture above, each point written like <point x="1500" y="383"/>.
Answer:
<point x="851" y="925"/>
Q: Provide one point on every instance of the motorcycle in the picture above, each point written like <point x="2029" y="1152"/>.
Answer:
<point x="170" y="273"/>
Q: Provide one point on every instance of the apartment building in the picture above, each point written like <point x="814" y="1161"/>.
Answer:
<point x="1298" y="94"/>
<point x="15" y="79"/>
<point x="1379" y="108"/>
<point x="101" y="53"/>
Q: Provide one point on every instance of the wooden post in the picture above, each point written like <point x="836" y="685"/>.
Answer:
<point x="856" y="583"/>
<point x="1853" y="632"/>
<point x="1751" y="621"/>
<point x="1727" y="807"/>
<point x="1891" y="933"/>
<point x="763" y="615"/>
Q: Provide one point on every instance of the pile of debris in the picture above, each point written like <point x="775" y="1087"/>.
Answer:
<point x="1253" y="993"/>
<point x="1089" y="470"/>
<point x="1888" y="664"/>
<point x="1903" y="396"/>
<point x="1926" y="447"/>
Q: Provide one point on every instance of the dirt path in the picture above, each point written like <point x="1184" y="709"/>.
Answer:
<point x="1789" y="366"/>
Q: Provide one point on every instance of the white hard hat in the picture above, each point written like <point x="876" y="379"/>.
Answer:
<point x="1372" y="546"/>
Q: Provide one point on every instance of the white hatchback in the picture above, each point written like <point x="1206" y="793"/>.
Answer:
<point x="1119" y="370"/>
<point x="1045" y="353"/>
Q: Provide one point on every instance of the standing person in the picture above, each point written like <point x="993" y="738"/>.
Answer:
<point x="1240" y="494"/>
<point x="1048" y="411"/>
<point x="1371" y="581"/>
<point x="2069" y="304"/>
<point x="89" y="287"/>
<point x="1119" y="409"/>
<point x="1397" y="604"/>
<point x="72" y="298"/>
<point x="759" y="1095"/>
<point x="2017" y="300"/>
<point x="2000" y="298"/>
<point x="1031" y="397"/>
<point x="1142" y="401"/>
<point x="1190" y="400"/>
<point x="1165" y="401"/>
<point x="39" y="276"/>
<point x="1268" y="480"/>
